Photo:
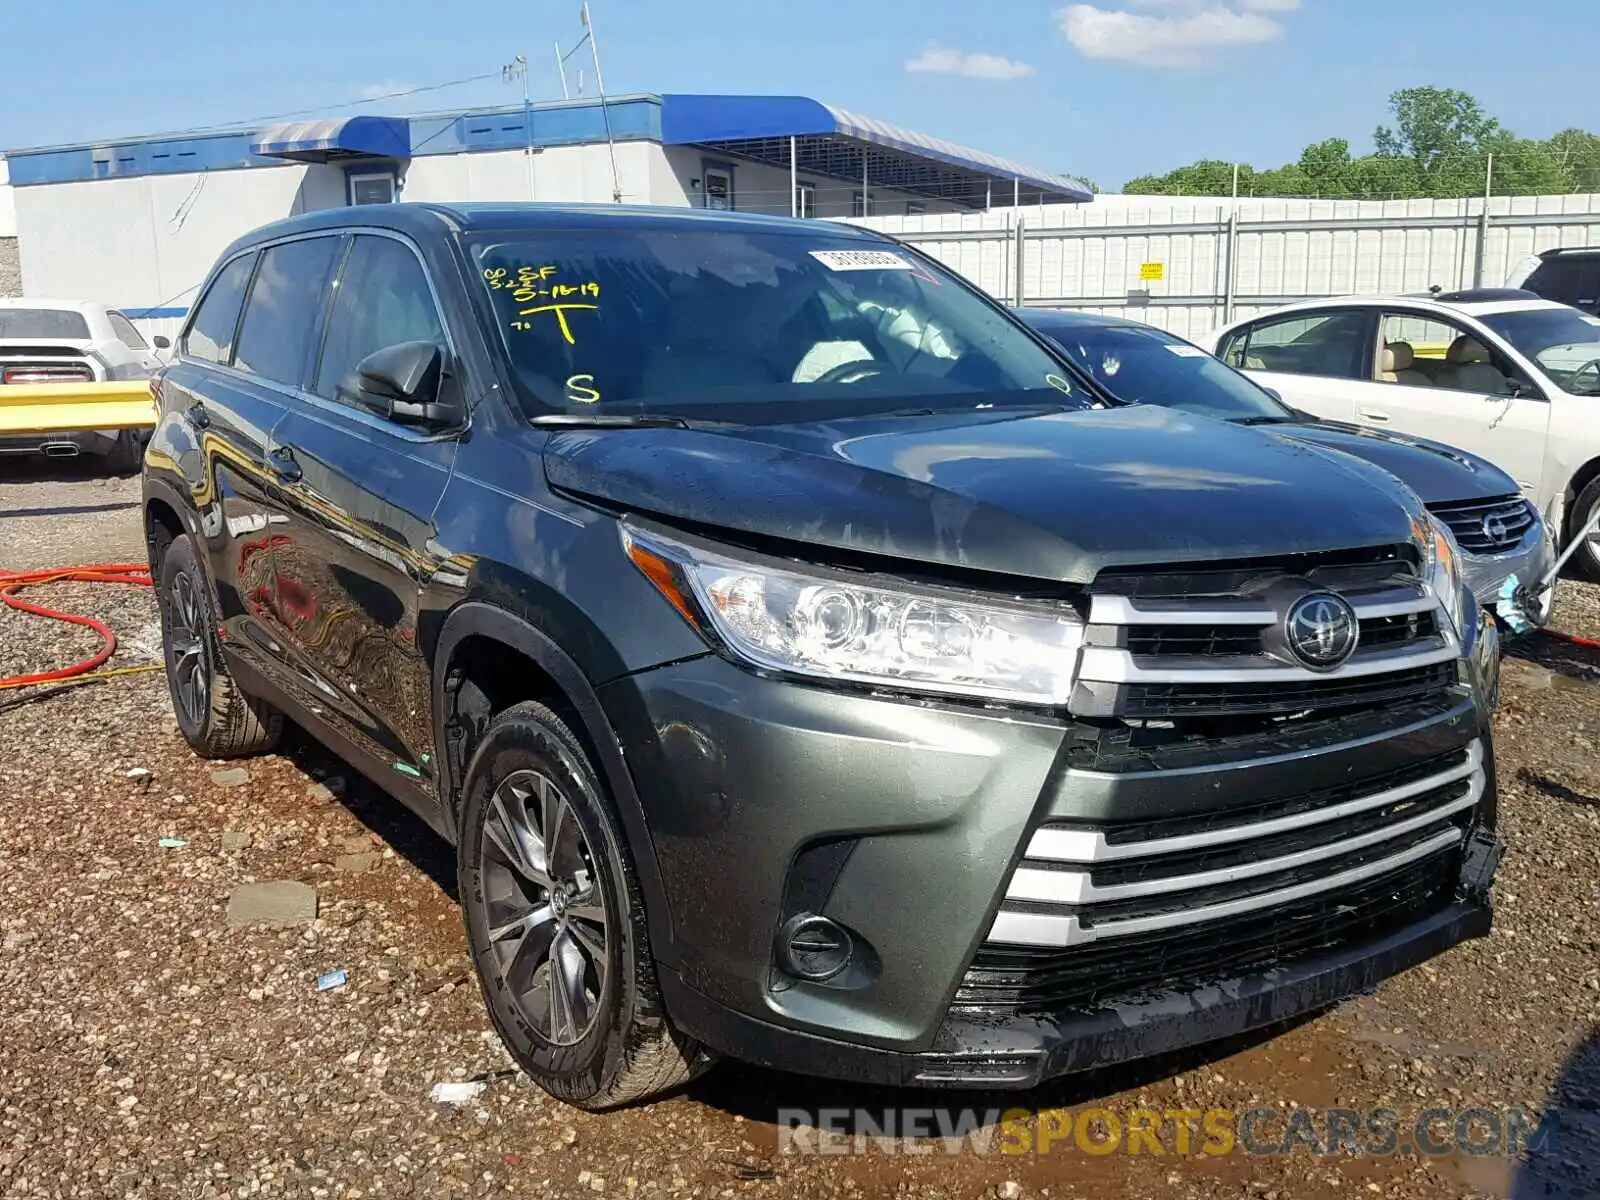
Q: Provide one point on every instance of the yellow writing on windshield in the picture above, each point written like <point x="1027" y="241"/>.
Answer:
<point x="529" y="285"/>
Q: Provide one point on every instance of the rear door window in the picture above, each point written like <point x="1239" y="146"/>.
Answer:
<point x="278" y="333"/>
<point x="383" y="299"/>
<point x="210" y="335"/>
<point x="1333" y="344"/>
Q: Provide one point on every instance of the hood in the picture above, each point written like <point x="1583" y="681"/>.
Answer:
<point x="1438" y="473"/>
<point x="1061" y="496"/>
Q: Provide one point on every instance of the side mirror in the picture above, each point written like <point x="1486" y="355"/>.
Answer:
<point x="161" y="342"/>
<point x="402" y="383"/>
<point x="1275" y="394"/>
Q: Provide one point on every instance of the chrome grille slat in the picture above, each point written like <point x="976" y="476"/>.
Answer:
<point x="1101" y="664"/>
<point x="1089" y="846"/>
<point x="1078" y="887"/>
<point x="1012" y="927"/>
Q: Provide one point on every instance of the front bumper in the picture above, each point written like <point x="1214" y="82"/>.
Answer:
<point x="1026" y="1052"/>
<point x="906" y="823"/>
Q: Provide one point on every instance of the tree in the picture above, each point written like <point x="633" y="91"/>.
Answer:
<point x="1208" y="177"/>
<point x="1579" y="155"/>
<point x="1438" y="146"/>
<point x="1323" y="166"/>
<point x="1523" y="167"/>
<point x="1443" y="132"/>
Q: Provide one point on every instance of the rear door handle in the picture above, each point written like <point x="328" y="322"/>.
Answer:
<point x="284" y="465"/>
<point x="1376" y="415"/>
<point x="198" y="415"/>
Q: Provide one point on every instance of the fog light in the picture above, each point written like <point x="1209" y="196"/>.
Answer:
<point x="813" y="948"/>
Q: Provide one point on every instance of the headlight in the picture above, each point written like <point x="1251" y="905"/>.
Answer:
<point x="811" y="621"/>
<point x="1441" y="568"/>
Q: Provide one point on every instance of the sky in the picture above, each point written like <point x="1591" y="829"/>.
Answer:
<point x="1107" y="90"/>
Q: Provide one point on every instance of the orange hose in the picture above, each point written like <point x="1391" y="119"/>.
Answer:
<point x="1572" y="638"/>
<point x="11" y="582"/>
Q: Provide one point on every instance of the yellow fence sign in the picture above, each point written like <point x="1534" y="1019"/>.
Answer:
<point x="1152" y="272"/>
<point x="68" y="407"/>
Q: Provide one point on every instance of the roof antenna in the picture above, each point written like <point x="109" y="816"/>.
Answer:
<point x="605" y="111"/>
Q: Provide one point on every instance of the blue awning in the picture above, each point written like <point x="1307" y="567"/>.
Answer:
<point x="347" y="137"/>
<point x="831" y="141"/>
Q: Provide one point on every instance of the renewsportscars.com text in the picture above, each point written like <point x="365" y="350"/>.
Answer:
<point x="1264" y="1131"/>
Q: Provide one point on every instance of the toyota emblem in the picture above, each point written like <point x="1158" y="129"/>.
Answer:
<point x="1322" y="631"/>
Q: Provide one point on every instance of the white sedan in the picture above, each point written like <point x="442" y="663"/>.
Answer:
<point x="69" y="341"/>
<point x="1510" y="377"/>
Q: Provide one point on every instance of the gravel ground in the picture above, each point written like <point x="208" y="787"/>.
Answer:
<point x="150" y="1050"/>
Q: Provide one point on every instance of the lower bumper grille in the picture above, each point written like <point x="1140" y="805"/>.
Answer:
<point x="1020" y="980"/>
<point x="1079" y="886"/>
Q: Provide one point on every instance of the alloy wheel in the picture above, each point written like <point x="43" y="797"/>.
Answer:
<point x="544" y="913"/>
<point x="187" y="633"/>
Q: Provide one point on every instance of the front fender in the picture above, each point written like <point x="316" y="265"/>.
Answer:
<point x="476" y="618"/>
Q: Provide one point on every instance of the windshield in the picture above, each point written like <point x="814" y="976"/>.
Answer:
<point x="717" y="323"/>
<point x="1144" y="365"/>
<point x="1563" y="341"/>
<point x="18" y="323"/>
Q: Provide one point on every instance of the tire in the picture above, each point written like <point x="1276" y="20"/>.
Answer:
<point x="593" y="1033"/>
<point x="216" y="717"/>
<point x="1587" y="559"/>
<point x="127" y="456"/>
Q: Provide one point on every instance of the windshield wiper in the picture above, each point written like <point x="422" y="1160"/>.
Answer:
<point x="573" y="420"/>
<point x="1262" y="419"/>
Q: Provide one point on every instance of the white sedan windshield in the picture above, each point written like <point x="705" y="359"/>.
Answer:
<point x="1563" y="341"/>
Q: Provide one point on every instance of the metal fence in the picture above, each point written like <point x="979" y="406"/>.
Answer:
<point x="1191" y="265"/>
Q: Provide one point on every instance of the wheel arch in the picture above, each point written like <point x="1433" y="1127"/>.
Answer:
<point x="1581" y="478"/>
<point x="475" y="620"/>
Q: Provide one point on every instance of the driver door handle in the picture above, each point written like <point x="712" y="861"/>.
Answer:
<point x="284" y="465"/>
<point x="1376" y="415"/>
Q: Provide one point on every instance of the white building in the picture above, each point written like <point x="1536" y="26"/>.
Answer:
<point x="138" y="223"/>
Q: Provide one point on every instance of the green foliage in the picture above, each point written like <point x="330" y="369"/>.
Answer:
<point x="1439" y="145"/>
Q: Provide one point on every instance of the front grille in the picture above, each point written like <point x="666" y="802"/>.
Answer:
<point x="1487" y="526"/>
<point x="1006" y="979"/>
<point x="1198" y="670"/>
<point x="1167" y="701"/>
<point x="1187" y="644"/>
<point x="1185" y="641"/>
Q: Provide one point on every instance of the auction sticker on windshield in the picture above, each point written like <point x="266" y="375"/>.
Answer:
<point x="1187" y="351"/>
<point x="861" y="260"/>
